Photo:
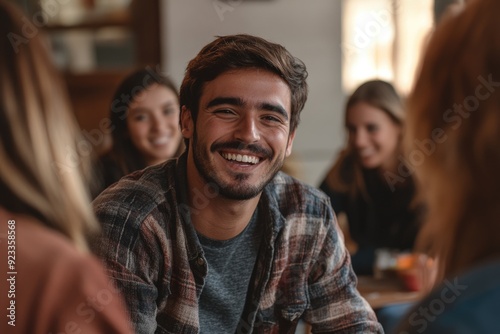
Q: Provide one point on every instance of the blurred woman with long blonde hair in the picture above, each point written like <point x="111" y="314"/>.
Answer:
<point x="363" y="183"/>
<point x="52" y="284"/>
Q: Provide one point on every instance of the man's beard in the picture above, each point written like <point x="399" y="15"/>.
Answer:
<point x="242" y="190"/>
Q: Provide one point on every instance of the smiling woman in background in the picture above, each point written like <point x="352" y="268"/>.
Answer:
<point x="361" y="183"/>
<point x="457" y="93"/>
<point x="55" y="285"/>
<point x="145" y="125"/>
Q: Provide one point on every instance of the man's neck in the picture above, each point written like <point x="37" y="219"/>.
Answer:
<point x="222" y="218"/>
<point x="213" y="215"/>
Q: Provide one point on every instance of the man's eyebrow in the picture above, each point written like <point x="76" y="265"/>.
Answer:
<point x="235" y="101"/>
<point x="274" y="107"/>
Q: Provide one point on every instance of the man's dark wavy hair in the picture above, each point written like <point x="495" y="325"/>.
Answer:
<point x="243" y="51"/>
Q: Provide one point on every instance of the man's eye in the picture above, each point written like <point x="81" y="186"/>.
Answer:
<point x="372" y="128"/>
<point x="272" y="118"/>
<point x="224" y="112"/>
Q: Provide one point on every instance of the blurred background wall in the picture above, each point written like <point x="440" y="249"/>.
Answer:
<point x="342" y="42"/>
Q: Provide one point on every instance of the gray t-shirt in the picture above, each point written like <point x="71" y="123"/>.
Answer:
<point x="230" y="266"/>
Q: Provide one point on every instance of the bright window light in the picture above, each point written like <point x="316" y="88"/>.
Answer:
<point x="384" y="39"/>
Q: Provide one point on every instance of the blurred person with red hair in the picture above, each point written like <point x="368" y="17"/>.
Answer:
<point x="455" y="109"/>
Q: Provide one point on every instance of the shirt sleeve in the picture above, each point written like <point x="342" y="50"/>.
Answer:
<point x="336" y="305"/>
<point x="337" y="200"/>
<point x="131" y="253"/>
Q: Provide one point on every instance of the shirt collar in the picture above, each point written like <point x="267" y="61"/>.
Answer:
<point x="268" y="207"/>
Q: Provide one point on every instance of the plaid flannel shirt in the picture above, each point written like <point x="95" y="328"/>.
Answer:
<point x="302" y="272"/>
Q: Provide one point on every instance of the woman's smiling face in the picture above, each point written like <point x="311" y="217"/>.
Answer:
<point x="374" y="136"/>
<point x="153" y="123"/>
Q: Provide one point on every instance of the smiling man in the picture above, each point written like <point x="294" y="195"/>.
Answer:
<point x="220" y="241"/>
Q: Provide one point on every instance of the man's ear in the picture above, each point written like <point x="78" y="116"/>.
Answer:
<point x="290" y="144"/>
<point x="187" y="125"/>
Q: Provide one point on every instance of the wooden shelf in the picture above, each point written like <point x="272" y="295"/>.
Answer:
<point x="91" y="92"/>
<point x="90" y="95"/>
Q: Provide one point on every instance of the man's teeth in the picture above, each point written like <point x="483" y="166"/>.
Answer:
<point x="241" y="158"/>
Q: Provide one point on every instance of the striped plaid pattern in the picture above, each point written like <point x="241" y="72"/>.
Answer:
<point x="302" y="271"/>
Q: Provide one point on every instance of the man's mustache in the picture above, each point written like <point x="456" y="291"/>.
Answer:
<point x="238" y="145"/>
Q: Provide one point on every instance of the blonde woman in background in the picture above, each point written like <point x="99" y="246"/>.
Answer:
<point x="49" y="281"/>
<point x="364" y="184"/>
<point x="455" y="109"/>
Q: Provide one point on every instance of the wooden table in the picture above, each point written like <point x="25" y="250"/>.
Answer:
<point x="385" y="291"/>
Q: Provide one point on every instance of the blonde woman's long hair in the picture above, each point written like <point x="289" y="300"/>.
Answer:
<point x="346" y="175"/>
<point x="43" y="168"/>
<point x="455" y="109"/>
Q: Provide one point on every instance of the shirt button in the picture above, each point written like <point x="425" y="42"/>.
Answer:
<point x="200" y="261"/>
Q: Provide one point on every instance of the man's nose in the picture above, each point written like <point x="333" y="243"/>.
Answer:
<point x="248" y="130"/>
